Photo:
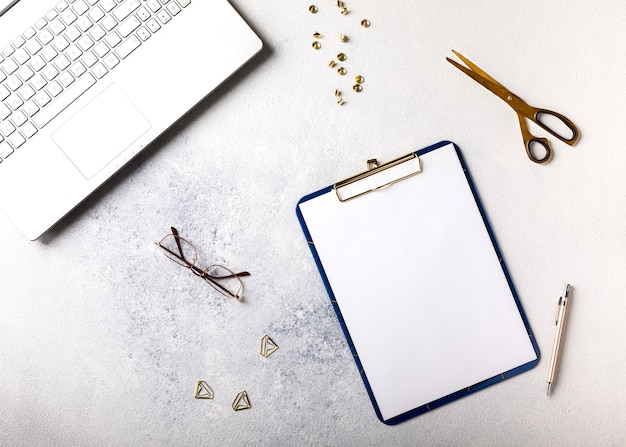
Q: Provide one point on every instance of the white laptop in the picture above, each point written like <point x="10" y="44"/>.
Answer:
<point x="85" y="85"/>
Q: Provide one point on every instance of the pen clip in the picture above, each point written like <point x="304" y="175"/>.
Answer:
<point x="558" y="307"/>
<point x="562" y="302"/>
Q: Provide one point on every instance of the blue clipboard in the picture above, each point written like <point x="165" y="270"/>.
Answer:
<point x="418" y="282"/>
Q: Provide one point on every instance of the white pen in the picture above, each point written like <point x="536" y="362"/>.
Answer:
<point x="560" y="321"/>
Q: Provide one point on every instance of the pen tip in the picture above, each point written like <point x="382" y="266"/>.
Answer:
<point x="548" y="389"/>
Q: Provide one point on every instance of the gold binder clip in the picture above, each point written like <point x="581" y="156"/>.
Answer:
<point x="203" y="390"/>
<point x="241" y="402"/>
<point x="268" y="347"/>
<point x="402" y="168"/>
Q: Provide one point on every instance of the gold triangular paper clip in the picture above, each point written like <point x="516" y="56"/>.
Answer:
<point x="268" y="347"/>
<point x="241" y="402"/>
<point x="203" y="390"/>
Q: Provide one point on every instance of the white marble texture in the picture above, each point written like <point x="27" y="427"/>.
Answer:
<point x="102" y="339"/>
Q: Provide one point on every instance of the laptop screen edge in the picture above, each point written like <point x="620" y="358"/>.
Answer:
<point x="5" y="5"/>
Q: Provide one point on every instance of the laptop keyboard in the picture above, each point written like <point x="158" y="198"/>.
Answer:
<point x="64" y="53"/>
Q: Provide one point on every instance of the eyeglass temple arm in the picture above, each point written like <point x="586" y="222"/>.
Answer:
<point x="220" y="287"/>
<point x="199" y="271"/>
<point x="234" y="275"/>
<point x="179" y="256"/>
<point x="180" y="248"/>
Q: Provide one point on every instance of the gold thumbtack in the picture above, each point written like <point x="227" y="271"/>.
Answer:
<point x="337" y="93"/>
<point x="365" y="23"/>
<point x="313" y="9"/>
<point x="343" y="37"/>
<point x="316" y="45"/>
<point x="317" y="35"/>
<point x="341" y="101"/>
<point x="331" y="64"/>
<point x="342" y="71"/>
<point x="339" y="4"/>
<point x="344" y="11"/>
<point x="357" y="88"/>
<point x="359" y="79"/>
<point x="342" y="57"/>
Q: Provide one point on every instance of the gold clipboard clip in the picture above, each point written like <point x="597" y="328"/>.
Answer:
<point x="375" y="168"/>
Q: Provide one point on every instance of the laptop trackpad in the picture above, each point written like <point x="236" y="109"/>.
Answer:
<point x="101" y="131"/>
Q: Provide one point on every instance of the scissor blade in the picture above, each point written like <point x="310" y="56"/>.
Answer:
<point x="475" y="68"/>
<point x="481" y="77"/>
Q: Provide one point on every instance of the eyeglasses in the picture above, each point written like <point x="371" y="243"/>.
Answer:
<point x="184" y="253"/>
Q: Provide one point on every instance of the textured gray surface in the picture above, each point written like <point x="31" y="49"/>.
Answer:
<point x="102" y="339"/>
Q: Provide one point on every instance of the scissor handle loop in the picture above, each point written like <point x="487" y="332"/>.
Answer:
<point x="539" y="116"/>
<point x="530" y="141"/>
<point x="531" y="149"/>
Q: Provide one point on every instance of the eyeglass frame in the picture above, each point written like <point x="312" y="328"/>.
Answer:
<point x="212" y="280"/>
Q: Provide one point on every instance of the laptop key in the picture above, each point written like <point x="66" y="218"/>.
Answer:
<point x="126" y="9"/>
<point x="19" y="118"/>
<point x="4" y="94"/>
<point x="42" y="99"/>
<point x="99" y="70"/>
<point x="5" y="149"/>
<point x="128" y="26"/>
<point x="30" y="108"/>
<point x="5" y="112"/>
<point x="17" y="139"/>
<point x="7" y="128"/>
<point x="128" y="47"/>
<point x="54" y="89"/>
<point x="29" y="130"/>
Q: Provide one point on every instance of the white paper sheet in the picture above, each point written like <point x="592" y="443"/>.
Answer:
<point x="419" y="285"/>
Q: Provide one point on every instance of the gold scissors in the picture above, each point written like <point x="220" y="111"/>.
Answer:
<point x="567" y="131"/>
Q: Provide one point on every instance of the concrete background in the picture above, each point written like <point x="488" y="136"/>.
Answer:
<point x="102" y="339"/>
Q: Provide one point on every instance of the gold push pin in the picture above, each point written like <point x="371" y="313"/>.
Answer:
<point x="342" y="57"/>
<point x="241" y="402"/>
<point x="331" y="64"/>
<point x="359" y="79"/>
<point x="357" y="88"/>
<point x="316" y="45"/>
<point x="343" y="37"/>
<point x="313" y="9"/>
<point x="365" y="23"/>
<point x="342" y="71"/>
<point x="337" y="93"/>
<point x="345" y="11"/>
<point x="317" y="35"/>
<point x="339" y="4"/>
<point x="341" y="101"/>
